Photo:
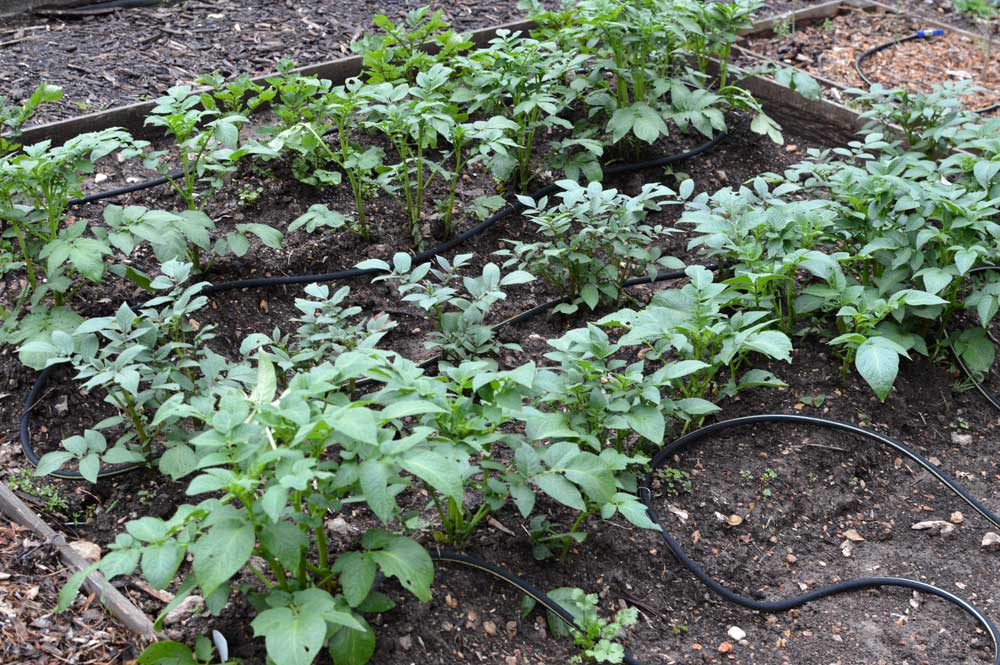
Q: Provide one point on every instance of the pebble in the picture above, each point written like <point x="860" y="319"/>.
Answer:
<point x="339" y="525"/>
<point x="737" y="633"/>
<point x="725" y="647"/>
<point x="406" y="643"/>
<point x="991" y="541"/>
<point x="88" y="550"/>
<point x="189" y="606"/>
<point x="489" y="628"/>
<point x="961" y="439"/>
<point x="956" y="518"/>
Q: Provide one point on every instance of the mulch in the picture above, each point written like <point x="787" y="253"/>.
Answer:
<point x="30" y="632"/>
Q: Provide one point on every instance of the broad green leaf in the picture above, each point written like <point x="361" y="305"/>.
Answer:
<point x="357" y="575"/>
<point x="292" y="637"/>
<point x="222" y="552"/>
<point x="438" y="471"/>
<point x="560" y="489"/>
<point x="878" y="364"/>
<point x="160" y="562"/>
<point x="403" y="559"/>
<point x="352" y="647"/>
<point x="648" y="422"/>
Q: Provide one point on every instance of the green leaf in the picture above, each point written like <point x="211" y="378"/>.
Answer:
<point x="560" y="489"/>
<point x="267" y="380"/>
<point x="762" y="124"/>
<point x="72" y="587"/>
<point x="222" y="552"/>
<point x="166" y="653"/>
<point x="270" y="236"/>
<point x="374" y="479"/>
<point x="53" y="461"/>
<point x="403" y="559"/>
<point x="772" y="343"/>
<point x="357" y="575"/>
<point x="648" y="422"/>
<point x="285" y="542"/>
<point x="291" y="637"/>
<point x="160" y="563"/>
<point x="274" y="500"/>
<point x="878" y="364"/>
<point x="352" y="647"/>
<point x="438" y="471"/>
<point x="590" y="473"/>
<point x="90" y="466"/>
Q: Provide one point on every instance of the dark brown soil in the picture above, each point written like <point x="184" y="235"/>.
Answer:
<point x="136" y="54"/>
<point x="823" y="486"/>
<point x="829" y="49"/>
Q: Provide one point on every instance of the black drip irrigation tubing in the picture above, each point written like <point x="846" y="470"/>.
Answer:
<point x="38" y="389"/>
<point x="773" y="606"/>
<point x="644" y="491"/>
<point x="919" y="34"/>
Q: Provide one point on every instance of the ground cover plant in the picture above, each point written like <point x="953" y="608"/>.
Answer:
<point x="871" y="248"/>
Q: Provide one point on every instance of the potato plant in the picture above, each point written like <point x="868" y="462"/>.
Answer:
<point x="593" y="241"/>
<point x="207" y="142"/>
<point x="874" y="247"/>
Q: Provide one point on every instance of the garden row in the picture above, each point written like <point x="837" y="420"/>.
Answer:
<point x="873" y="248"/>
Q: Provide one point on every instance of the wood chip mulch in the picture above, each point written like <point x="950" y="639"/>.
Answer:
<point x="30" y="632"/>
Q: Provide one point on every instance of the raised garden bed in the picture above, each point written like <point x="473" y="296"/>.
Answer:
<point x="771" y="511"/>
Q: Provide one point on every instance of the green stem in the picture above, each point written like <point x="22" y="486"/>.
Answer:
<point x="28" y="263"/>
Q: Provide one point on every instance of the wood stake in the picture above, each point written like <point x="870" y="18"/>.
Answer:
<point x="120" y="607"/>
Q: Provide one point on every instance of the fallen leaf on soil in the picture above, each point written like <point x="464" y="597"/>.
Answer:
<point x="939" y="527"/>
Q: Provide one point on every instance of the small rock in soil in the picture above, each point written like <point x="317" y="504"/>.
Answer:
<point x="991" y="541"/>
<point x="961" y="439"/>
<point x="938" y="527"/>
<point x="737" y="633"/>
<point x="189" y="606"/>
<point x="88" y="550"/>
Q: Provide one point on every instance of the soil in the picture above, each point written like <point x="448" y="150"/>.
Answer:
<point x="132" y="55"/>
<point x="823" y="486"/>
<point x="829" y="49"/>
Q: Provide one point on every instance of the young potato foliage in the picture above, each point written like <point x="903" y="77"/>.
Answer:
<point x="206" y="138"/>
<point x="140" y="361"/>
<point x="397" y="53"/>
<point x="594" y="240"/>
<point x="459" y="319"/>
<point x="37" y="184"/>
<point x="525" y="81"/>
<point x="13" y="116"/>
